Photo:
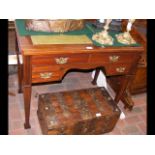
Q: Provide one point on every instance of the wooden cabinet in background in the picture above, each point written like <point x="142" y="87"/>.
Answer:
<point x="139" y="83"/>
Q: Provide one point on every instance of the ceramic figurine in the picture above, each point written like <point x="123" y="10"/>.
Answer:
<point x="103" y="37"/>
<point x="126" y="38"/>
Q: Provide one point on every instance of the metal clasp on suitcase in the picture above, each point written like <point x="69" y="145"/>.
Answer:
<point x="98" y="114"/>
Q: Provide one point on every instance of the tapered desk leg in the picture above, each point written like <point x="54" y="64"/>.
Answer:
<point x="27" y="88"/>
<point x="97" y="71"/>
<point x="27" y="101"/>
<point x="20" y="68"/>
<point x="123" y="94"/>
<point x="127" y="100"/>
<point x="20" y="77"/>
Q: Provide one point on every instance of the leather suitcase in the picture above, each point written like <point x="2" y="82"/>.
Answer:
<point x="58" y="25"/>
<point x="79" y="112"/>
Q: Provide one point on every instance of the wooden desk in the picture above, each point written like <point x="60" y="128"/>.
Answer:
<point x="138" y="84"/>
<point x="47" y="63"/>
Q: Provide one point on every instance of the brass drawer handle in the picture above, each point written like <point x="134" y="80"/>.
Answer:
<point x="45" y="75"/>
<point x="61" y="60"/>
<point x="114" y="58"/>
<point x="120" y="69"/>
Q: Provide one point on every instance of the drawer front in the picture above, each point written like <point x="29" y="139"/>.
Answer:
<point x="46" y="73"/>
<point x="60" y="59"/>
<point x="45" y="76"/>
<point x="112" y="58"/>
<point x="118" y="69"/>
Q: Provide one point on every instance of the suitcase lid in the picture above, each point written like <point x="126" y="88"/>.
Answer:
<point x="70" y="107"/>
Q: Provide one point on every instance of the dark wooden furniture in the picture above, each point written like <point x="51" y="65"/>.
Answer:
<point x="47" y="63"/>
<point x="79" y="112"/>
<point x="139" y="81"/>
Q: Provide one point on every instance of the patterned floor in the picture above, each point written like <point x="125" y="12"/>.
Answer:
<point x="133" y="124"/>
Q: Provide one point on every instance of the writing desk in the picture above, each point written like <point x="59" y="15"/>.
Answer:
<point x="48" y="63"/>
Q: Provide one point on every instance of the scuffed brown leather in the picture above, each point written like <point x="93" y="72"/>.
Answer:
<point x="60" y="25"/>
<point x="75" y="112"/>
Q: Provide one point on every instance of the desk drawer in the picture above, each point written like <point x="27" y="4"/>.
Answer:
<point x="46" y="74"/>
<point x="60" y="59"/>
<point x="45" y="77"/>
<point x="118" y="69"/>
<point x="112" y="58"/>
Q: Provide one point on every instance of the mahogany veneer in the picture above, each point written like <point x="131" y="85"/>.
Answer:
<point x="48" y="63"/>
